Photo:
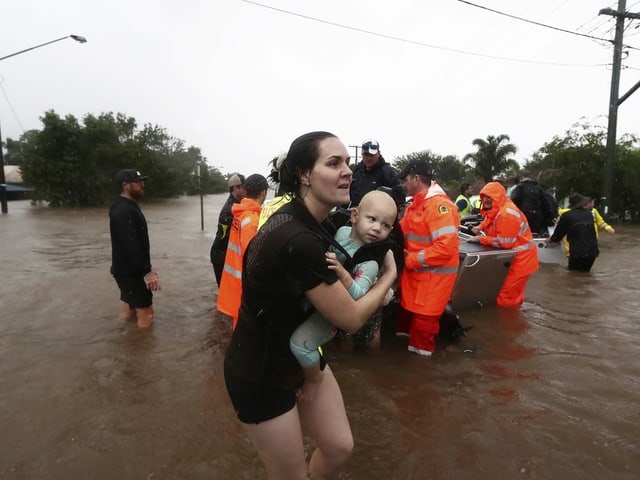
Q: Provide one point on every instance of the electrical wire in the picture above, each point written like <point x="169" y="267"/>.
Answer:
<point x="421" y="44"/>
<point x="542" y="24"/>
<point x="6" y="97"/>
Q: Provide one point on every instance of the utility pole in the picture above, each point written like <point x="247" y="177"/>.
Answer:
<point x="199" y="177"/>
<point x="3" y="182"/>
<point x="614" y="101"/>
<point x="357" y="147"/>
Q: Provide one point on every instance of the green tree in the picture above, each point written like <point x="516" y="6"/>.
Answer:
<point x="575" y="163"/>
<point x="73" y="163"/>
<point x="492" y="157"/>
<point x="15" y="148"/>
<point x="51" y="162"/>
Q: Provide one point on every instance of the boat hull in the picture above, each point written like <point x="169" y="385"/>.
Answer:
<point x="481" y="273"/>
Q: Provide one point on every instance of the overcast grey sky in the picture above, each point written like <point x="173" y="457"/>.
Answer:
<point x="240" y="81"/>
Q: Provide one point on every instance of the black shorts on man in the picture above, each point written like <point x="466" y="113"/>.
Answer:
<point x="134" y="291"/>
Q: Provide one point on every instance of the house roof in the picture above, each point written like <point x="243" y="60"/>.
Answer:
<point x="12" y="174"/>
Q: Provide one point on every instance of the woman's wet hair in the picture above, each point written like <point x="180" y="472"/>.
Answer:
<point x="301" y="158"/>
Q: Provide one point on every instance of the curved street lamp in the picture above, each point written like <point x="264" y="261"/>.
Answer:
<point x="3" y="182"/>
<point x="77" y="38"/>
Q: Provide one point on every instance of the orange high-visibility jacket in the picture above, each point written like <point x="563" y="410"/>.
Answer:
<point x="243" y="229"/>
<point x="505" y="226"/>
<point x="430" y="227"/>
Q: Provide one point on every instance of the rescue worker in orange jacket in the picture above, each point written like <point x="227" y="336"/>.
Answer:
<point x="243" y="229"/>
<point x="430" y="226"/>
<point x="505" y="226"/>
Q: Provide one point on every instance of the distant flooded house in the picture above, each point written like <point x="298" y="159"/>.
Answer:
<point x="16" y="189"/>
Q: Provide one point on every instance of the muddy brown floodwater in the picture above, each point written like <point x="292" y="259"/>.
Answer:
<point x="551" y="393"/>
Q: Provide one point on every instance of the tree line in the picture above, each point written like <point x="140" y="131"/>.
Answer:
<point x="572" y="163"/>
<point x="72" y="163"/>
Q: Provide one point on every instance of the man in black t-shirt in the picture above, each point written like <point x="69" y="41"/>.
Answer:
<point x="130" y="256"/>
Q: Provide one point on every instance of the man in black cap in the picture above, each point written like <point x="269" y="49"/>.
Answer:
<point x="220" y="242"/>
<point x="130" y="257"/>
<point x="430" y="229"/>
<point x="374" y="172"/>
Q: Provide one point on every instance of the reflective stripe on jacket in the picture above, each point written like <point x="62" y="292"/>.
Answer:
<point x="430" y="226"/>
<point x="243" y="229"/>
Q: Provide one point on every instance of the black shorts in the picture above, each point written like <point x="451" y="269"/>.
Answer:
<point x="134" y="291"/>
<point x="254" y="403"/>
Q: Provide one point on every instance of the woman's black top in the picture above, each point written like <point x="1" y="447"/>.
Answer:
<point x="285" y="259"/>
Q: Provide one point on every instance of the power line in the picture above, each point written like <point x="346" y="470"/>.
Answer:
<point x="10" y="106"/>
<point x="421" y="44"/>
<point x="542" y="24"/>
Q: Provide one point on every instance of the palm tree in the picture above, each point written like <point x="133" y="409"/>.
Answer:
<point x="491" y="158"/>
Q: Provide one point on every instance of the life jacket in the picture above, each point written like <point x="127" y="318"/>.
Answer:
<point x="243" y="228"/>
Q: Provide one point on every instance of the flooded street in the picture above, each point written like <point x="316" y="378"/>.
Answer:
<point x="550" y="393"/>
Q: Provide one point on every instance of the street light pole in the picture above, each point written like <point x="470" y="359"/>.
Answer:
<point x="77" y="38"/>
<point x="3" y="182"/>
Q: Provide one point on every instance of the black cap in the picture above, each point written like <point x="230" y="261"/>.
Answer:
<point x="129" y="175"/>
<point x="255" y="184"/>
<point x="416" y="167"/>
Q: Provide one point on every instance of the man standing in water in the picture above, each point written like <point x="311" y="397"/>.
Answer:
<point x="130" y="257"/>
<point x="431" y="245"/>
